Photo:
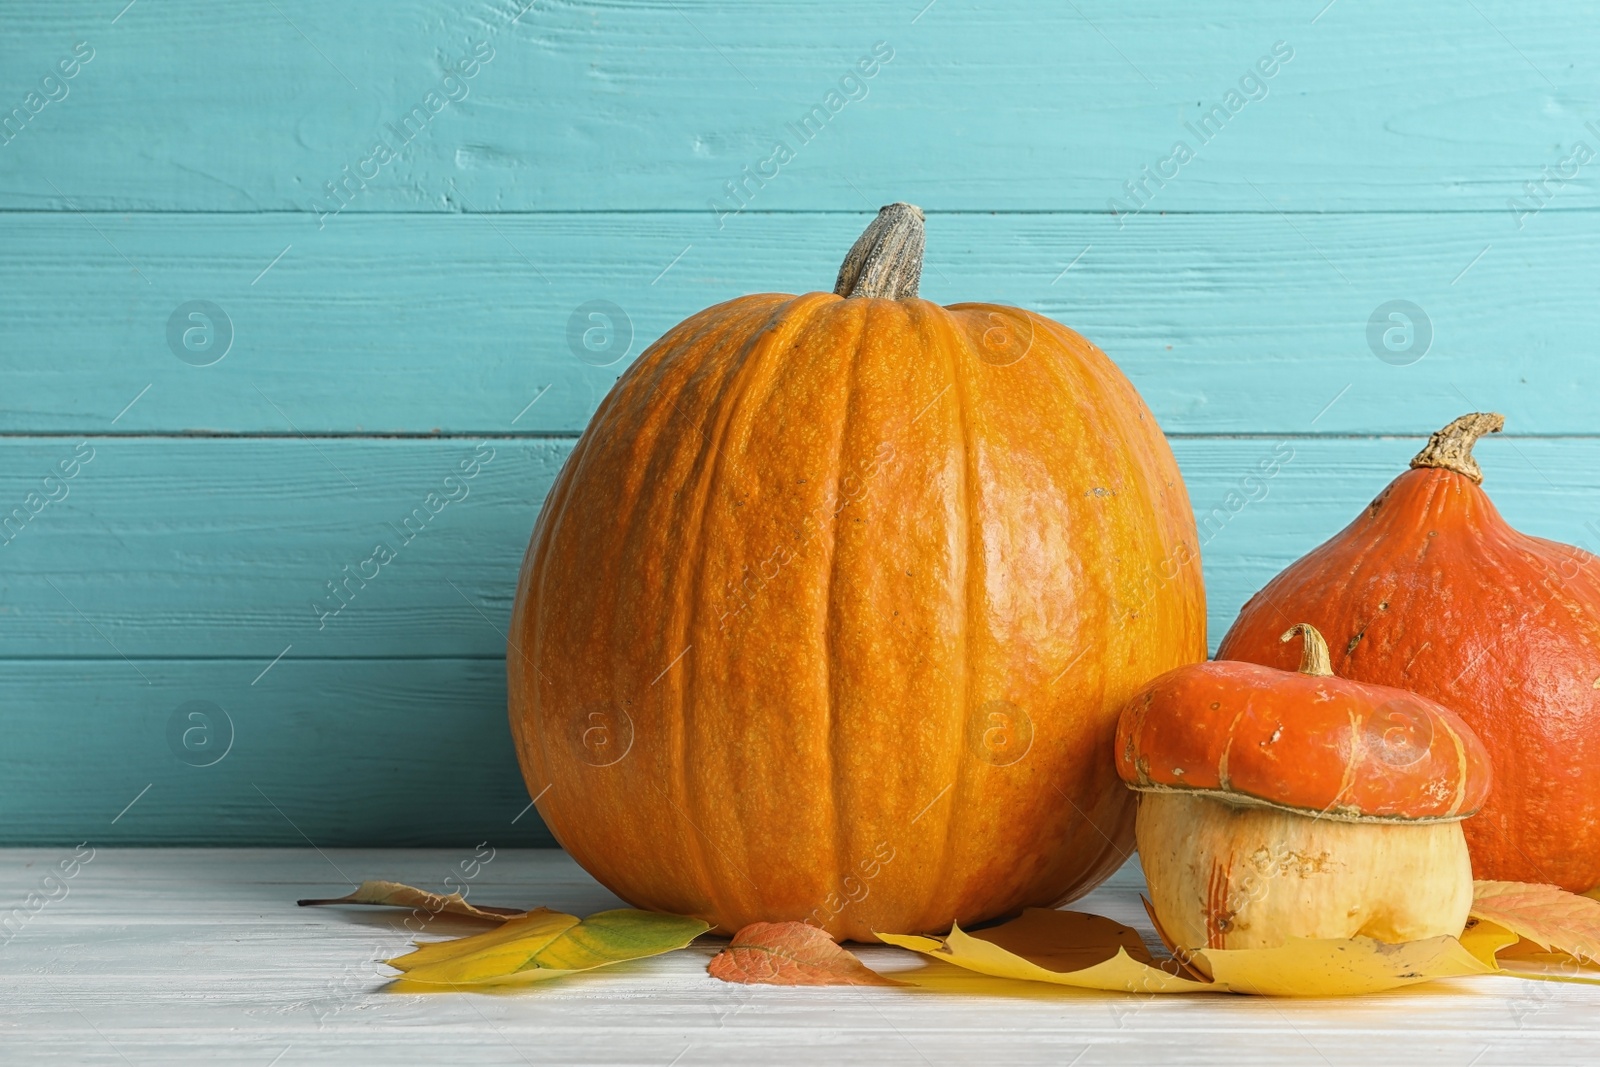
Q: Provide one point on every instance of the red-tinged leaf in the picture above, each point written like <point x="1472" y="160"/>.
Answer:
<point x="791" y="953"/>
<point x="1551" y="918"/>
<point x="395" y="895"/>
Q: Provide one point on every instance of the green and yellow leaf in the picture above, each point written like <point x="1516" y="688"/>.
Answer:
<point x="520" y="937"/>
<point x="546" y="945"/>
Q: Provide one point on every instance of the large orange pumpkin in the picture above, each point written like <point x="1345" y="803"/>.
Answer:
<point x="1430" y="590"/>
<point x="831" y="611"/>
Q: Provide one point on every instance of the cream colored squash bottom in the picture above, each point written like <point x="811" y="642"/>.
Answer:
<point x="1226" y="875"/>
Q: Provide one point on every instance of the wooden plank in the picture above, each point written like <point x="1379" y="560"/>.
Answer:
<point x="243" y="547"/>
<point x="404" y="324"/>
<point x="388" y="725"/>
<point x="180" y="548"/>
<point x="983" y="106"/>
<point x="199" y="956"/>
<point x="411" y="751"/>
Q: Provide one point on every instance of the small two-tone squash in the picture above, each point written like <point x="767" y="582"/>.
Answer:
<point x="1277" y="804"/>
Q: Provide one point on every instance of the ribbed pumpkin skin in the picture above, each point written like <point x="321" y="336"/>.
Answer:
<point x="1430" y="590"/>
<point x="809" y="693"/>
<point x="1329" y="747"/>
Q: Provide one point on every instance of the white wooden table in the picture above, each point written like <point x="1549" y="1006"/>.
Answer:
<point x="177" y="956"/>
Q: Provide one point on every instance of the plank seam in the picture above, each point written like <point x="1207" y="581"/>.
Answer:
<point x="572" y="435"/>
<point x="798" y="213"/>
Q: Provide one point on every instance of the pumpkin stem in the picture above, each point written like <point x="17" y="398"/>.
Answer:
<point x="886" y="260"/>
<point x="1451" y="447"/>
<point x="1314" y="653"/>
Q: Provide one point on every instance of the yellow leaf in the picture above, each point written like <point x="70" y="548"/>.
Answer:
<point x="1551" y="918"/>
<point x="1068" y="948"/>
<point x="1486" y="940"/>
<point x="1091" y="952"/>
<point x="525" y="935"/>
<point x="547" y="946"/>
<point x="1340" y="968"/>
<point x="396" y="895"/>
<point x="1493" y="944"/>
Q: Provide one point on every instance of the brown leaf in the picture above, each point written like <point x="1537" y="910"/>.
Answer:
<point x="395" y="895"/>
<point x="790" y="953"/>
<point x="1551" y="918"/>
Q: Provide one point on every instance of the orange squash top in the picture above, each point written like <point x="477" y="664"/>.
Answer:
<point x="1306" y="741"/>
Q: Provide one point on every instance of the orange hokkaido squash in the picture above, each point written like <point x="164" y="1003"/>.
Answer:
<point x="1430" y="590"/>
<point x="831" y="611"/>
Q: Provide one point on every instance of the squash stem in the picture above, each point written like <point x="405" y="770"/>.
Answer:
<point x="886" y="260"/>
<point x="1451" y="447"/>
<point x="1314" y="659"/>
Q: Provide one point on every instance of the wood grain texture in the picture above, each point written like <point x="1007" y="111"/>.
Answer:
<point x="228" y="547"/>
<point x="240" y="106"/>
<point x="589" y="159"/>
<point x="338" y="752"/>
<point x="179" y="956"/>
<point x="221" y="547"/>
<point x="199" y="560"/>
<point x="403" y="324"/>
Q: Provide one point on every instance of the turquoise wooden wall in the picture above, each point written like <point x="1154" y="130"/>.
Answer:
<point x="240" y="342"/>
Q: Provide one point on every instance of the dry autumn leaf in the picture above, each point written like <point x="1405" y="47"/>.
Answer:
<point x="395" y="895"/>
<point x="1340" y="968"/>
<point x="544" y="945"/>
<point x="1068" y="948"/>
<point x="519" y="938"/>
<point x="790" y="953"/>
<point x="1551" y="918"/>
<point x="1092" y="952"/>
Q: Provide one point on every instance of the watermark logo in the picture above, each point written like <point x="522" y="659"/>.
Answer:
<point x="52" y="887"/>
<point x="1551" y="180"/>
<point x="1007" y="339"/>
<point x="602" y="735"/>
<point x="854" y="887"/>
<point x="348" y="584"/>
<point x="199" y="332"/>
<point x="1399" y="332"/>
<point x="852" y="86"/>
<point x="52" y="89"/>
<point x="999" y="733"/>
<point x="599" y="333"/>
<point x="1252" y="86"/>
<point x="396" y="137"/>
<point x="200" y="733"/>
<point x="1252" y="487"/>
<point x="1400" y="732"/>
<point x="51" y="489"/>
